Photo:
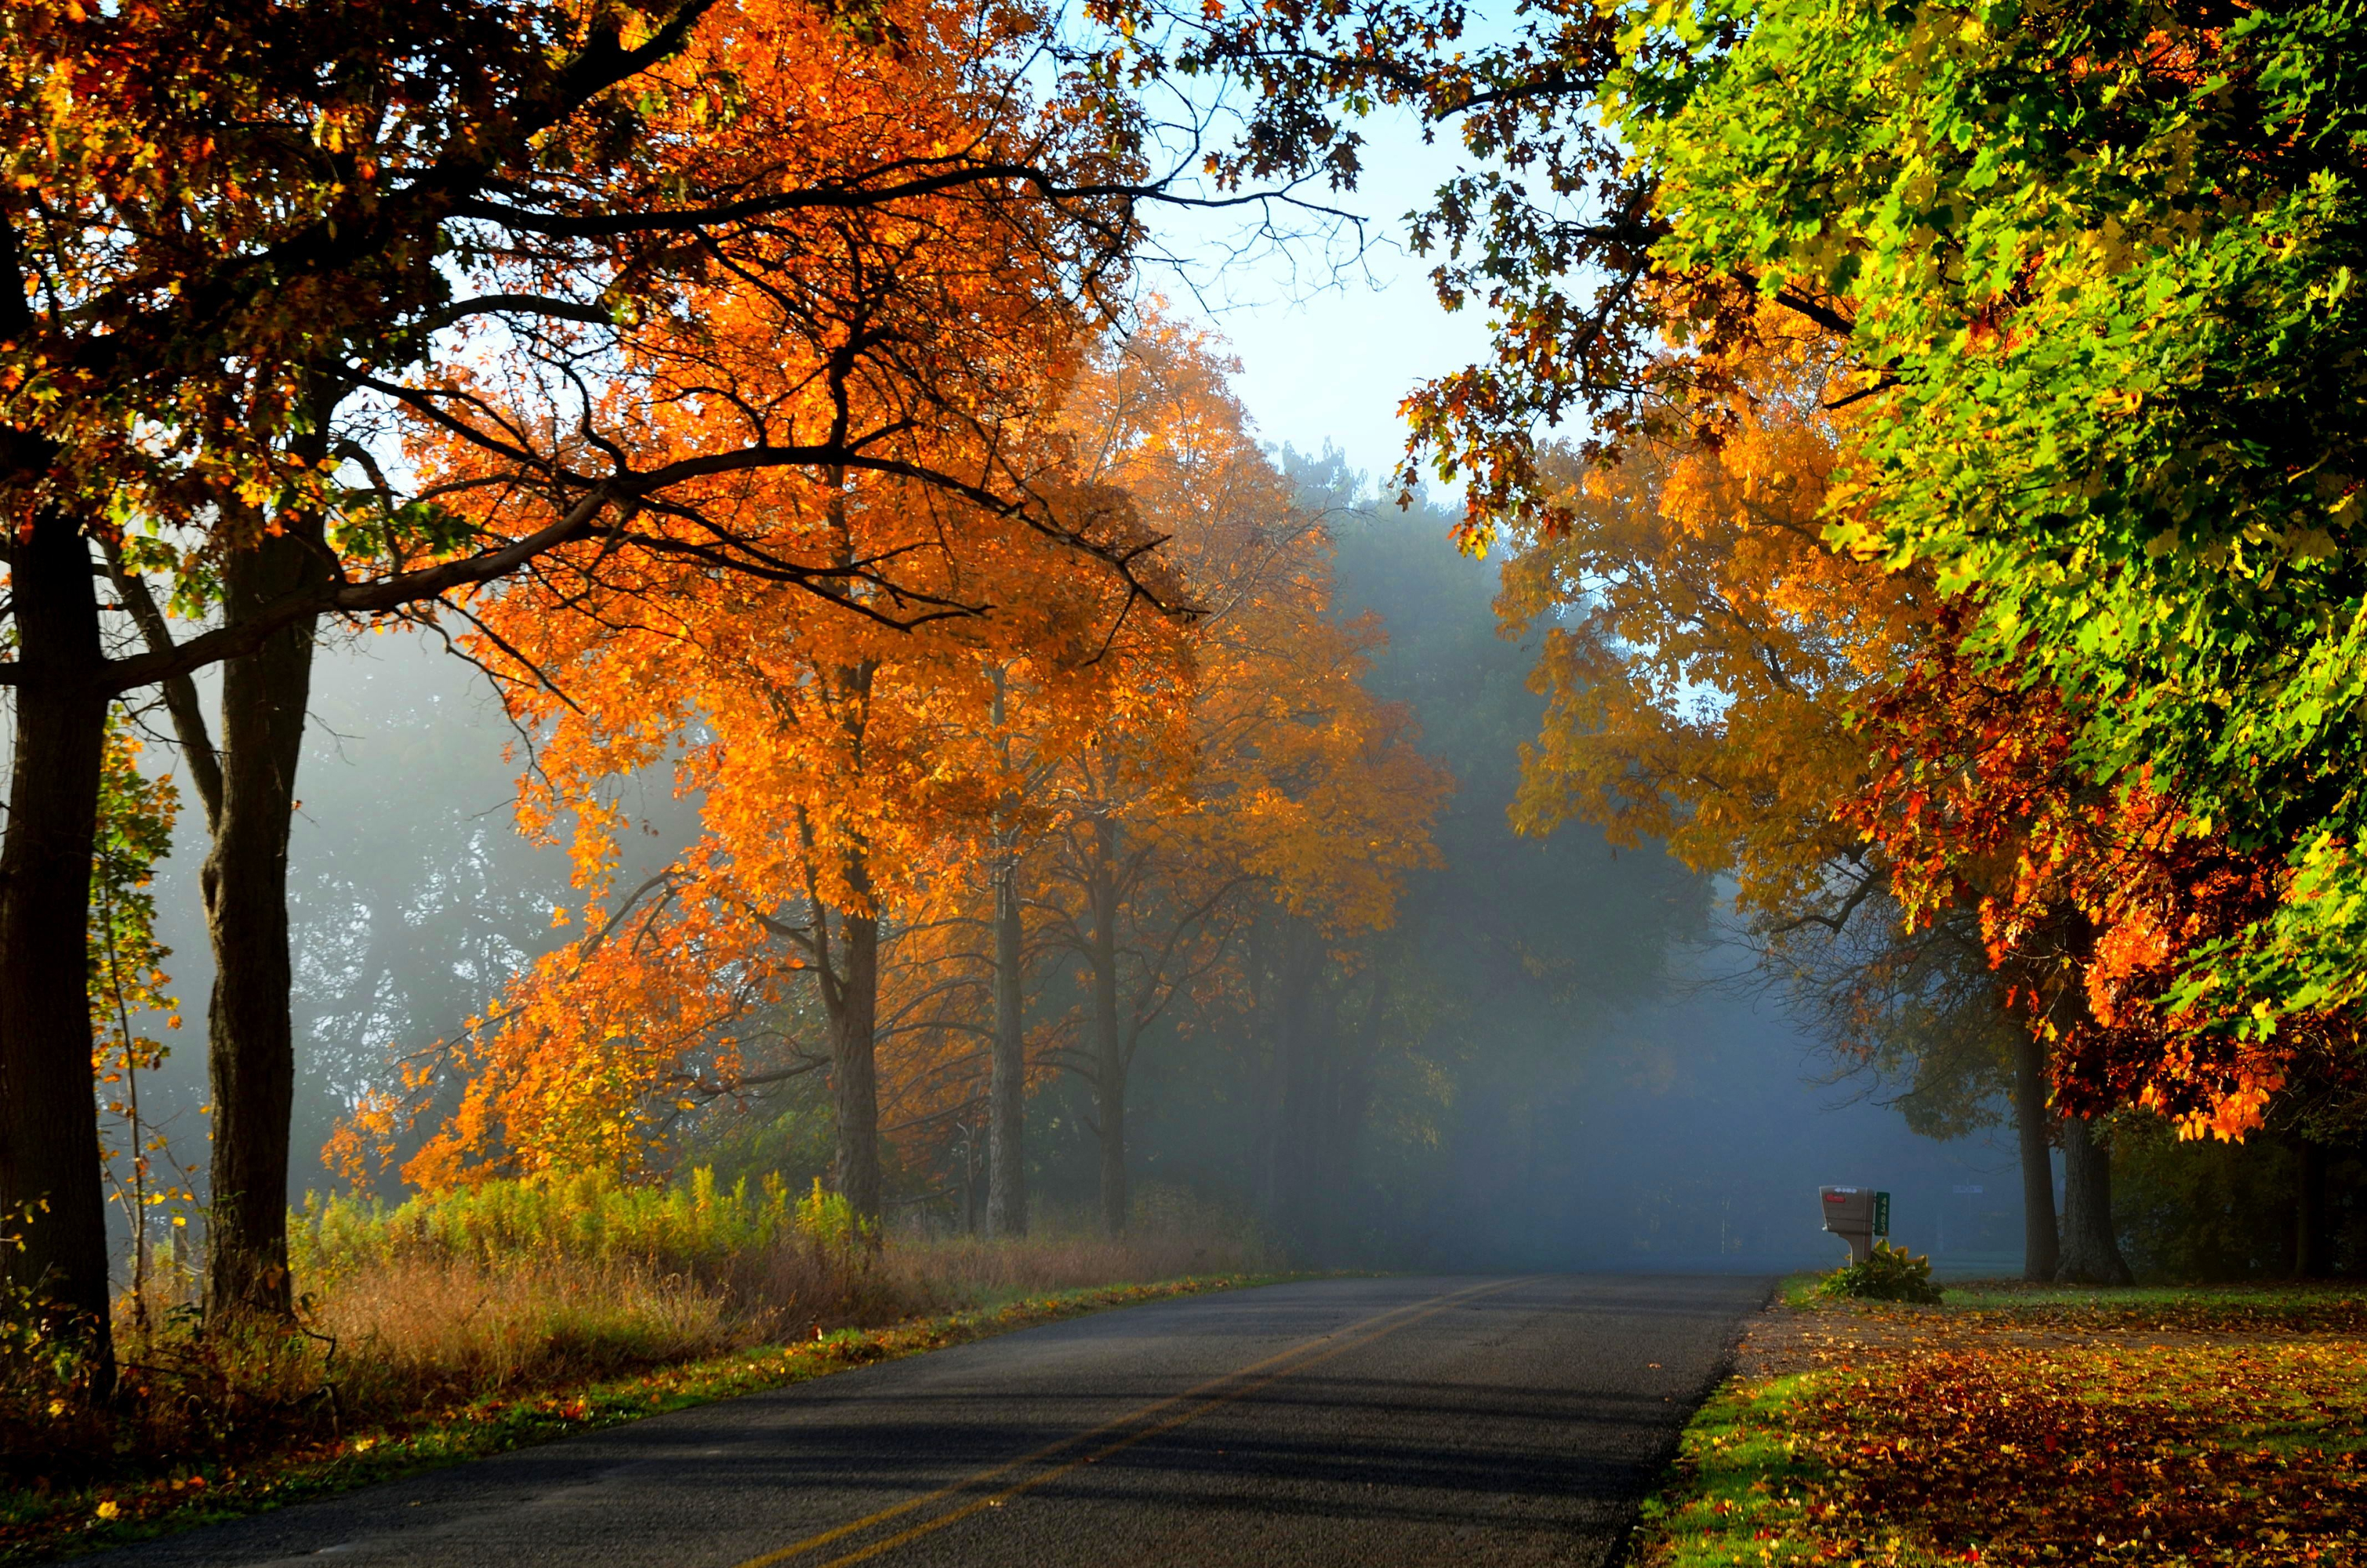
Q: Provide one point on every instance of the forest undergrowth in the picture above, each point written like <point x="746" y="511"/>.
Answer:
<point x="480" y="1319"/>
<point x="2011" y="1426"/>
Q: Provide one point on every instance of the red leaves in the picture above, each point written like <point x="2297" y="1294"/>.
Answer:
<point x="2001" y="1449"/>
<point x="2092" y="898"/>
<point x="2217" y="1427"/>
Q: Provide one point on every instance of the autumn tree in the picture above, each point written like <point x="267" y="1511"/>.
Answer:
<point x="2091" y="900"/>
<point x="565" y="183"/>
<point x="1709" y="664"/>
<point x="1807" y="721"/>
<point x="1267" y="777"/>
<point x="2094" y="264"/>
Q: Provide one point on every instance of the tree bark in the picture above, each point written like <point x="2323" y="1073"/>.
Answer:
<point x="2091" y="1251"/>
<point x="249" y="1031"/>
<point x="1109" y="1041"/>
<point x="853" y="1068"/>
<point x="2313" y="1234"/>
<point x="2041" y="1253"/>
<point x="51" y="1183"/>
<point x="1006" y="1093"/>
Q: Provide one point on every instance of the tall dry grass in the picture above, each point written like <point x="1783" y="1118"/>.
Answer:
<point x="524" y="1287"/>
<point x="513" y="1284"/>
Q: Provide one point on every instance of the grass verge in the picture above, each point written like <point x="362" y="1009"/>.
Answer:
<point x="41" y="1525"/>
<point x="2031" y="1428"/>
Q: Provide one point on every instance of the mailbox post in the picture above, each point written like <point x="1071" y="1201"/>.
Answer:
<point x="1856" y="1215"/>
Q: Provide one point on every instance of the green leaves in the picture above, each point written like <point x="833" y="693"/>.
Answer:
<point x="1889" y="1274"/>
<point x="2104" y="256"/>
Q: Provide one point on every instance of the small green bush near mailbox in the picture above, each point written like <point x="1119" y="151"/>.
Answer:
<point x="1891" y="1274"/>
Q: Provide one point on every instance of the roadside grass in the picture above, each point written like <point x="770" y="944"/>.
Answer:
<point x="1737" y="1465"/>
<point x="462" y="1324"/>
<point x="2023" y="1426"/>
<point x="37" y="1526"/>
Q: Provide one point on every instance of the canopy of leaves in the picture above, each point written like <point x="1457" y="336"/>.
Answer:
<point x="2098" y="262"/>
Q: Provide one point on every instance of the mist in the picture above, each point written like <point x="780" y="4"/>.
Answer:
<point x="1576" y="1067"/>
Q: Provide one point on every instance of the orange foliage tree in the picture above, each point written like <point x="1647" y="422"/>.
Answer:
<point x="510" y="223"/>
<point x="2092" y="899"/>
<point x="1718" y="677"/>
<point x="842" y="791"/>
<point x="1710" y="667"/>
<point x="1141" y="779"/>
<point x="845" y="398"/>
<point x="1273" y="779"/>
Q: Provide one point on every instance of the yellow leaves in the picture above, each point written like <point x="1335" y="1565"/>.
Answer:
<point x="2312" y="544"/>
<point x="1702" y="642"/>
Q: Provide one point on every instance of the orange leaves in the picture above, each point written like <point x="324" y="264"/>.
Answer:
<point x="1702" y="646"/>
<point x="2091" y="898"/>
<point x="1257" y="768"/>
<point x="2172" y="1455"/>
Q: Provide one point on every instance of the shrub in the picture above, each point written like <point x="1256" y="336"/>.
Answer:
<point x="1892" y="1274"/>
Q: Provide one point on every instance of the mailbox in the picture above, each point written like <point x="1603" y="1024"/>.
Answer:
<point x="1856" y="1215"/>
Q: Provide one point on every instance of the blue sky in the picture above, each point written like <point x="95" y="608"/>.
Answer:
<point x="1327" y="349"/>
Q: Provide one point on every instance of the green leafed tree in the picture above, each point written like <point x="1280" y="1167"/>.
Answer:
<point x="2097" y="264"/>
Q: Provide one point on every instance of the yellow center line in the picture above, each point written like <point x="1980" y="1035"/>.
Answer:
<point x="1307" y="1353"/>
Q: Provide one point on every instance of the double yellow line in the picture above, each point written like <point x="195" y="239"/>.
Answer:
<point x="1122" y="1432"/>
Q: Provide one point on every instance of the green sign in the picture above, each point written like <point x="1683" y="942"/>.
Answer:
<point x="1882" y="1214"/>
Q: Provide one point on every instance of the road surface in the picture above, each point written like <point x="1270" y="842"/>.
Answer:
<point x="1472" y="1422"/>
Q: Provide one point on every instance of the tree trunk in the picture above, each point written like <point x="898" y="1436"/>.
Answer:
<point x="2092" y="1252"/>
<point x="2041" y="1254"/>
<point x="854" y="1070"/>
<point x="2312" y="1235"/>
<point x="249" y="1032"/>
<point x="1109" y="1043"/>
<point x="51" y="1191"/>
<point x="1006" y="1092"/>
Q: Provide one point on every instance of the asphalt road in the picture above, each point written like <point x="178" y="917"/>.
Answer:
<point x="1475" y="1422"/>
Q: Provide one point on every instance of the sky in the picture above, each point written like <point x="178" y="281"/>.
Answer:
<point x="1330" y="344"/>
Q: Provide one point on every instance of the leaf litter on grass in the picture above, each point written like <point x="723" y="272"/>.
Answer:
<point x="2215" y="1429"/>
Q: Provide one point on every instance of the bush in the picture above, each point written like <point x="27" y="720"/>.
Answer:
<point x="1892" y="1274"/>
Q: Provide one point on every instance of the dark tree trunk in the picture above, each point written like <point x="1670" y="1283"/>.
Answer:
<point x="2313" y="1232"/>
<point x="1006" y="1092"/>
<point x="2040" y="1255"/>
<point x="50" y="1191"/>
<point x="854" y="1069"/>
<point x="2091" y="1251"/>
<point x="249" y="1032"/>
<point x="1109" y="1041"/>
<point x="849" y="977"/>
